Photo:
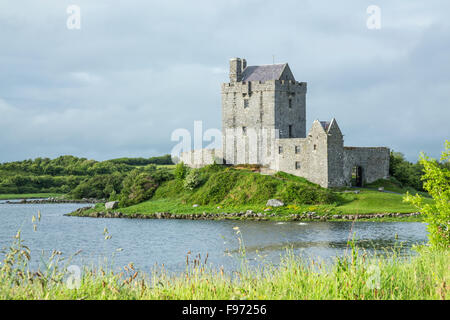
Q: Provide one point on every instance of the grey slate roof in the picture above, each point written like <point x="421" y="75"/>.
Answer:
<point x="263" y="73"/>
<point x="325" y="124"/>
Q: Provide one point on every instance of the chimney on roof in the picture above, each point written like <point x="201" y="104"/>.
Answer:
<point x="244" y="64"/>
<point x="237" y="65"/>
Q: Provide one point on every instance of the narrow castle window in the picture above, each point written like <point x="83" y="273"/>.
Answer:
<point x="290" y="131"/>
<point x="244" y="130"/>
<point x="290" y="103"/>
<point x="315" y="147"/>
<point x="245" y="103"/>
<point x="297" y="165"/>
<point x="280" y="149"/>
<point x="297" y="149"/>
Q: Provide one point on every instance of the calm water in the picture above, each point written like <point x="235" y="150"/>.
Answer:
<point x="150" y="242"/>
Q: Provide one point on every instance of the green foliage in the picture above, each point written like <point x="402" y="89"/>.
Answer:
<point x="405" y="172"/>
<point x="12" y="196"/>
<point x="371" y="201"/>
<point x="18" y="183"/>
<point x="140" y="184"/>
<point x="216" y="187"/>
<point x="80" y="177"/>
<point x="437" y="183"/>
<point x="137" y="187"/>
<point x="392" y="184"/>
<point x="192" y="180"/>
<point x="61" y="166"/>
<point x="180" y="171"/>
<point x="99" y="186"/>
<point x="290" y="177"/>
<point x="296" y="193"/>
<point x="170" y="189"/>
<point x="252" y="188"/>
<point x="220" y="185"/>
<point x="166" y="159"/>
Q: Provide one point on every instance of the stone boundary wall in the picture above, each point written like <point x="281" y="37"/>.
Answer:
<point x="374" y="162"/>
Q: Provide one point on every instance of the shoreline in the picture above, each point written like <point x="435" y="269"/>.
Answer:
<point x="243" y="215"/>
<point x="248" y="215"/>
<point x="52" y="201"/>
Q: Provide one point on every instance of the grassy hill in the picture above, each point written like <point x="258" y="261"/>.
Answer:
<point x="219" y="185"/>
<point x="220" y="189"/>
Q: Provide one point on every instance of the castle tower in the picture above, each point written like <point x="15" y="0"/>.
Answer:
<point x="259" y="104"/>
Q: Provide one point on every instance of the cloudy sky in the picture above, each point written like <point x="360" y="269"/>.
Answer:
<point x="137" y="70"/>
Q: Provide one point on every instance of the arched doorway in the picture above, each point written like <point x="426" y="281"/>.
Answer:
<point x="357" y="176"/>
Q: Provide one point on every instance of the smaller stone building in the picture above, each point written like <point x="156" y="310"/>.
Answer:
<point x="264" y="123"/>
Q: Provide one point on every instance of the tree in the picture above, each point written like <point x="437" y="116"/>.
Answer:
<point x="405" y="172"/>
<point x="138" y="186"/>
<point x="437" y="182"/>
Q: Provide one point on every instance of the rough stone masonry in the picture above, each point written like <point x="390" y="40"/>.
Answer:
<point x="264" y="123"/>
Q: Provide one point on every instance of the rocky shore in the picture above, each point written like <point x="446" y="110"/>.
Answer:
<point x="247" y="215"/>
<point x="55" y="200"/>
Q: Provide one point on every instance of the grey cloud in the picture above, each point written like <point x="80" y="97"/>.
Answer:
<point x="137" y="70"/>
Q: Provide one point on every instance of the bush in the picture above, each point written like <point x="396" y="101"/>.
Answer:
<point x="407" y="173"/>
<point x="180" y="171"/>
<point x="192" y="180"/>
<point x="137" y="187"/>
<point x="166" y="159"/>
<point x="141" y="184"/>
<point x="98" y="186"/>
<point x="437" y="183"/>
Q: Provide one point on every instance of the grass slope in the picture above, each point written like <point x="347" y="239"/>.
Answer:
<point x="228" y="190"/>
<point x="227" y="186"/>
<point x="393" y="185"/>
<point x="369" y="201"/>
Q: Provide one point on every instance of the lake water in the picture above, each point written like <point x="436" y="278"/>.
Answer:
<point x="149" y="242"/>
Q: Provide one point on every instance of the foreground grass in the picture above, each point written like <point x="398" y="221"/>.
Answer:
<point x="29" y="196"/>
<point x="423" y="276"/>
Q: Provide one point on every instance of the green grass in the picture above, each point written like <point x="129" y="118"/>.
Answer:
<point x="394" y="186"/>
<point x="368" y="201"/>
<point x="218" y="185"/>
<point x="29" y="196"/>
<point x="168" y="166"/>
<point x="355" y="276"/>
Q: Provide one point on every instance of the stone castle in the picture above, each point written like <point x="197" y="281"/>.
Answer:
<point x="264" y="123"/>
